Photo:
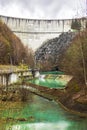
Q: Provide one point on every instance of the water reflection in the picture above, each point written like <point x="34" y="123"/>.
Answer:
<point x="42" y="126"/>
<point x="60" y="125"/>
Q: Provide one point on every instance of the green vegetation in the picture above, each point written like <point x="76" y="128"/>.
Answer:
<point x="76" y="24"/>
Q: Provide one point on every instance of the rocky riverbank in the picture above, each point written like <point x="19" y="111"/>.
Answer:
<point x="67" y="100"/>
<point x="75" y="97"/>
<point x="71" y="99"/>
<point x="14" y="93"/>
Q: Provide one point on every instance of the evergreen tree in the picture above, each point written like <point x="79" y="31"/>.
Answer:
<point x="76" y="24"/>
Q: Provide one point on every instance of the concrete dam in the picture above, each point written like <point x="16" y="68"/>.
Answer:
<point x="33" y="32"/>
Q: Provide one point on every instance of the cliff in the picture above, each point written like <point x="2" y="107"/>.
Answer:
<point x="52" y="49"/>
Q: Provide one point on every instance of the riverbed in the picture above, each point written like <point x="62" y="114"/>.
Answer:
<point x="40" y="114"/>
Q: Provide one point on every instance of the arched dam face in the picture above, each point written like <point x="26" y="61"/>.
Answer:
<point x="33" y="32"/>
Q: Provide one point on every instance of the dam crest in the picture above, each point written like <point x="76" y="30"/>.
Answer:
<point x="33" y="32"/>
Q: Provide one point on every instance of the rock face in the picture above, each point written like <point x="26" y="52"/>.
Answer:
<point x="52" y="49"/>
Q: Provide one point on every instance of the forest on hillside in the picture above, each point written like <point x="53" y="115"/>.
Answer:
<point x="12" y="50"/>
<point x="68" y="52"/>
<point x="74" y="60"/>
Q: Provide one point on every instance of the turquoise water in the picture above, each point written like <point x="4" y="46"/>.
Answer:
<point x="51" y="80"/>
<point x="42" y="114"/>
<point x="52" y="72"/>
<point x="51" y="83"/>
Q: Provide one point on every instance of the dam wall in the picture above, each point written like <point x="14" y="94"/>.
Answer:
<point x="33" y="32"/>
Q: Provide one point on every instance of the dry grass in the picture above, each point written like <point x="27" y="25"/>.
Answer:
<point x="7" y="67"/>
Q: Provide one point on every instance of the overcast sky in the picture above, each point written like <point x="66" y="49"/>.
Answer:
<point x="43" y="9"/>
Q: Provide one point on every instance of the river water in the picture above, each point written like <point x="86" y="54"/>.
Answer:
<point x="50" y="83"/>
<point x="41" y="114"/>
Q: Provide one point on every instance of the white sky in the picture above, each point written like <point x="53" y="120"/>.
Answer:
<point x="43" y="9"/>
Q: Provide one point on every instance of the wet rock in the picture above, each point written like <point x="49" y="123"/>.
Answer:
<point x="22" y="119"/>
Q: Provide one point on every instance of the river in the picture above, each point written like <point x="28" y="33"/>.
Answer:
<point x="41" y="114"/>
